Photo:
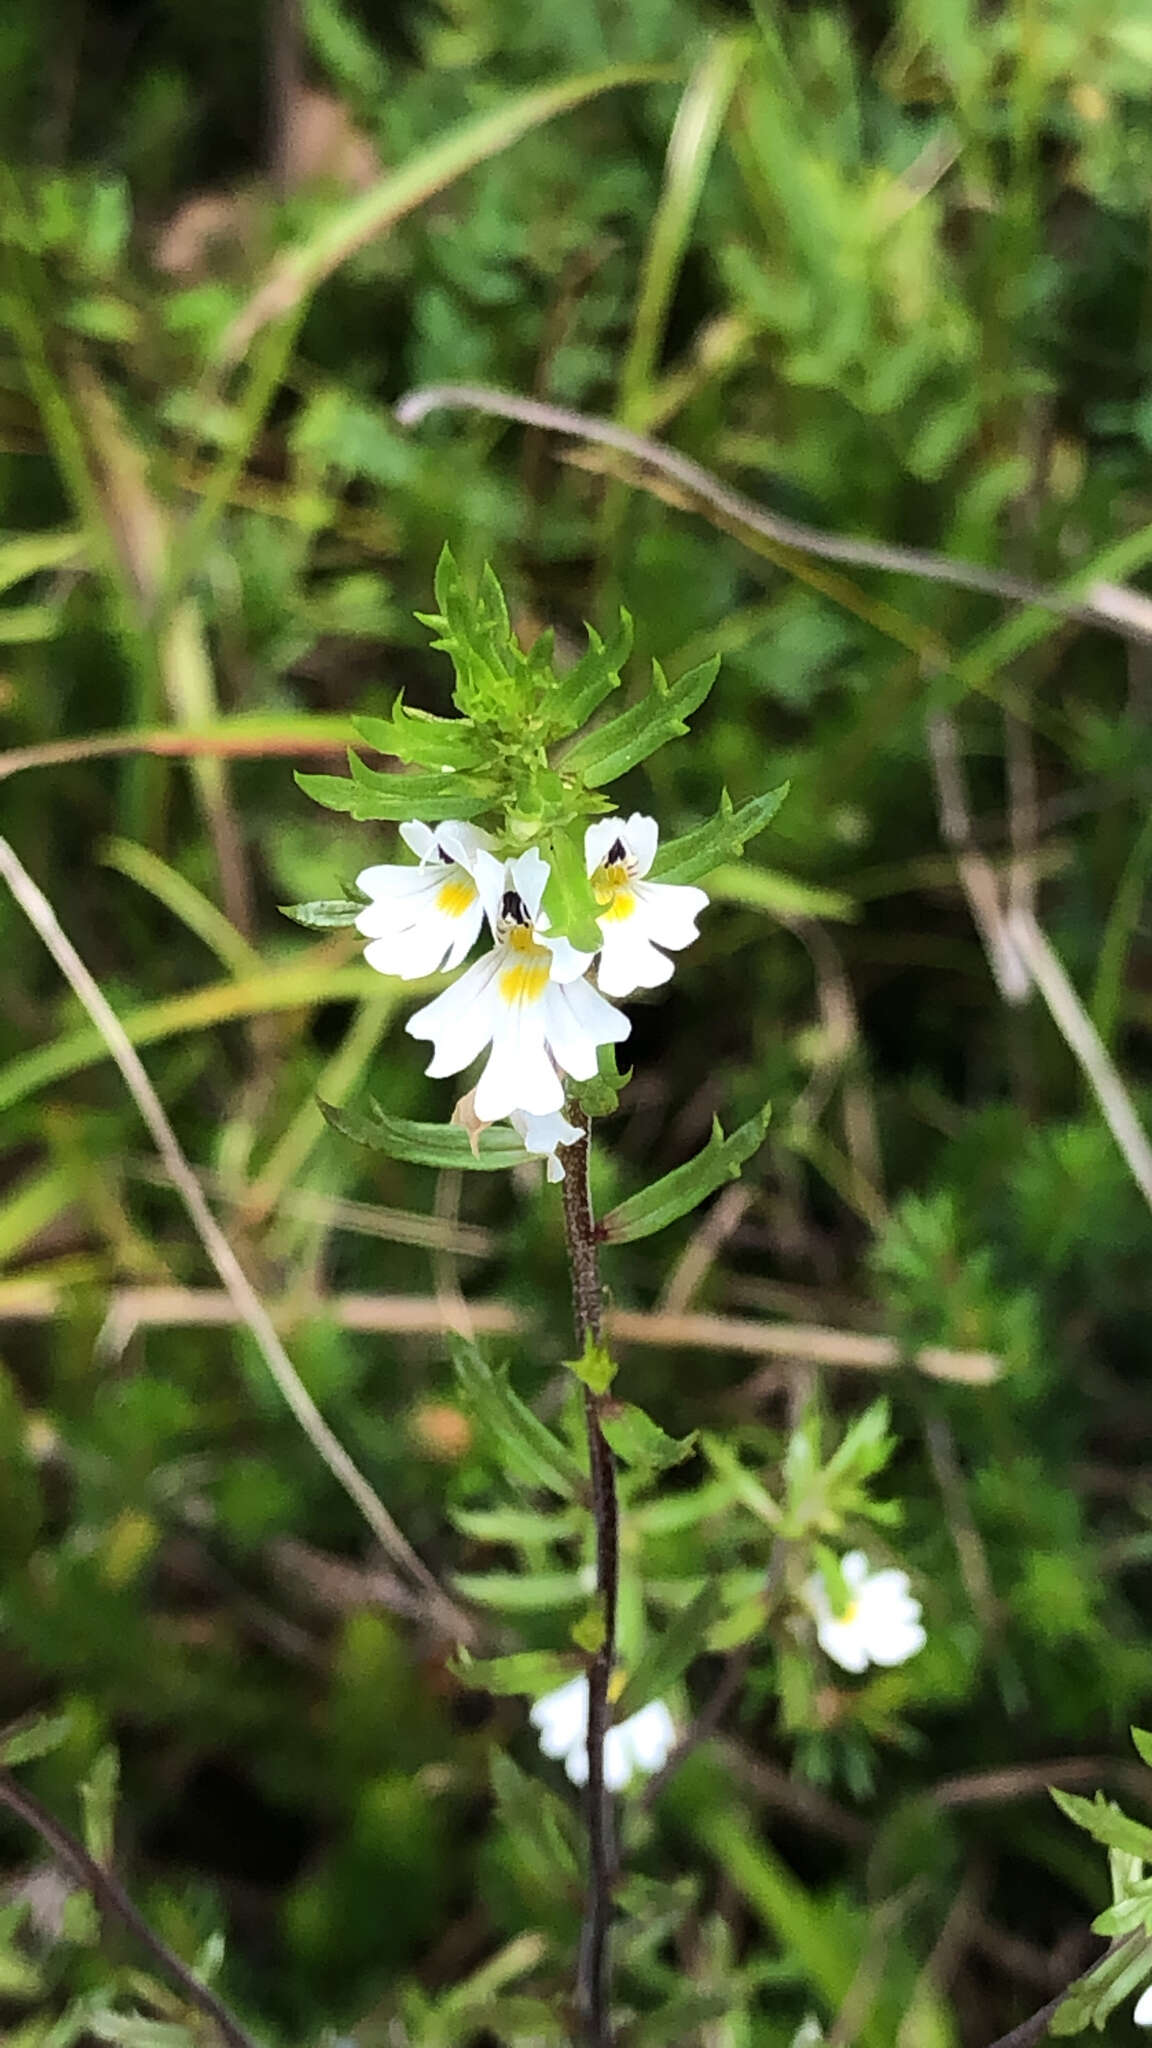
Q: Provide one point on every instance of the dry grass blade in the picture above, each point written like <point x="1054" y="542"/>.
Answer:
<point x="245" y="1303"/>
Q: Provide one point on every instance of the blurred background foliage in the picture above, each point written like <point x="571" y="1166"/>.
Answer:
<point x="883" y="264"/>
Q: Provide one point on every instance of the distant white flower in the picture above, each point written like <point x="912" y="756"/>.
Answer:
<point x="642" y="1744"/>
<point x="527" y="998"/>
<point x="881" y="1623"/>
<point x="809" y="2034"/>
<point x="1142" y="2011"/>
<point x="427" y="917"/>
<point x="636" y="917"/>
<point x="542" y="1134"/>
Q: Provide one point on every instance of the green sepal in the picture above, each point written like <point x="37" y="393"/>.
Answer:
<point x="440" y="1145"/>
<point x="528" y="1448"/>
<point x="28" y="1740"/>
<point x="723" y="838"/>
<point x="639" y="1441"/>
<point x="664" y="1660"/>
<point x="597" y="673"/>
<point x="601" y="1095"/>
<point x="655" y="1207"/>
<point x="595" y="1368"/>
<point x="568" y="897"/>
<point x="526" y="1671"/>
<point x="331" y="915"/>
<point x="1106" y="1822"/>
<point x="371" y="796"/>
<point x="421" y="737"/>
<point x="621" y="743"/>
<point x="1114" y="1978"/>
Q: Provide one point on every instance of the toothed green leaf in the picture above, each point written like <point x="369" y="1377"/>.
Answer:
<point x="621" y="743"/>
<point x="440" y="1145"/>
<point x="723" y="838"/>
<point x="680" y="1191"/>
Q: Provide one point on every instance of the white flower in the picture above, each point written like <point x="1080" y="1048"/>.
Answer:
<point x="881" y="1623"/>
<point x="637" y="917"/>
<point x="542" y="1134"/>
<point x="427" y="917"/>
<point x="809" y="2034"/>
<point x="641" y="1744"/>
<point x="527" y="998"/>
<point x="1142" y="2011"/>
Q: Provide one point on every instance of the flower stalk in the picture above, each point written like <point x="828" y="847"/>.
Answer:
<point x="593" y="1988"/>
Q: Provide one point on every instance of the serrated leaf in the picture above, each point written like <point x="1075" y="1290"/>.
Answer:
<point x="639" y="1441"/>
<point x="666" y="1657"/>
<point x="394" y="797"/>
<point x="329" y="915"/>
<point x="621" y="743"/>
<point x="1106" y="1823"/>
<point x="568" y="897"/>
<point x="31" y="1739"/>
<point x="533" y="1672"/>
<point x="422" y="738"/>
<point x="528" y="1449"/>
<point x="723" y="838"/>
<point x="439" y="1145"/>
<point x="597" y="673"/>
<point x="655" y="1207"/>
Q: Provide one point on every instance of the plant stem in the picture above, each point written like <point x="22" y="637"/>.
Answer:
<point x="593" y="1989"/>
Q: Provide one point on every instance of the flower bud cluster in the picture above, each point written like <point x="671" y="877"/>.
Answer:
<point x="530" y="1001"/>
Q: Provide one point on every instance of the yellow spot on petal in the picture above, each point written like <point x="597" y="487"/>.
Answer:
<point x="525" y="979"/>
<point x="612" y="890"/>
<point x="456" y="895"/>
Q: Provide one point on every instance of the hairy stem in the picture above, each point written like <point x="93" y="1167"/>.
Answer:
<point x="594" y="1979"/>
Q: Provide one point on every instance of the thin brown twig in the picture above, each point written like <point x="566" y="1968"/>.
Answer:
<point x="246" y="1304"/>
<point x="113" y="1900"/>
<point x="746" y="512"/>
<point x="31" y="1299"/>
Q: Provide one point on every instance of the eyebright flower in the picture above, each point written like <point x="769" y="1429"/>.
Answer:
<point x="641" y="1744"/>
<point x="424" y="918"/>
<point x="527" y="998"/>
<point x="636" y="917"/>
<point x="881" y="1623"/>
<point x="542" y="1135"/>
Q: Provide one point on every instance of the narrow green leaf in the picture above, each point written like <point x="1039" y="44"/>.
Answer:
<point x="440" y="1145"/>
<point x="1106" y="1823"/>
<point x="597" y="673"/>
<point x="98" y="1795"/>
<point x="681" y="1190"/>
<point x="723" y="838"/>
<point x="31" y="1739"/>
<point x="1143" y="1741"/>
<point x="328" y="915"/>
<point x="744" y="1484"/>
<point x="528" y="1671"/>
<point x="520" y="1593"/>
<point x="1097" y="1994"/>
<point x="421" y="737"/>
<point x="369" y="796"/>
<point x="528" y="1449"/>
<point x="666" y="1657"/>
<point x="621" y="743"/>
<point x="639" y="1441"/>
<point x="528" y="1526"/>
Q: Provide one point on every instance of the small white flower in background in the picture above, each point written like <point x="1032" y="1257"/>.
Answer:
<point x="527" y="998"/>
<point x="1142" y="2011"/>
<point x="636" y="917"/>
<point x="881" y="1623"/>
<point x="424" y="918"/>
<point x="809" y="2034"/>
<point x="542" y="1134"/>
<point x="642" y="1744"/>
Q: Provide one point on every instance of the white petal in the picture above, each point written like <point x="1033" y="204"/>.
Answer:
<point x="854" y="1569"/>
<point x="460" y="1020"/>
<point x="419" y="837"/>
<point x="519" y="1073"/>
<point x="529" y="872"/>
<point x="669" y="911"/>
<point x="466" y="934"/>
<point x="618" y="1760"/>
<point x="898" y="1644"/>
<point x="567" y="963"/>
<point x="543" y="1133"/>
<point x="462" y="841"/>
<point x="562" y="1717"/>
<point x="629" y="962"/>
<point x="554" y="1171"/>
<point x="410" y="954"/>
<point x="577" y="1020"/>
<point x="841" y="1640"/>
<point x="598" y="838"/>
<point x="491" y="878"/>
<point x="652" y="1735"/>
<point x="576" y="1764"/>
<point x="1142" y="2011"/>
<point x="640" y="836"/>
<point x="392" y="886"/>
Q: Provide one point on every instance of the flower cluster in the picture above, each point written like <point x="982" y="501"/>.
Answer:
<point x="638" y="1746"/>
<point x="529" y="999"/>
<point x="880" y="1624"/>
